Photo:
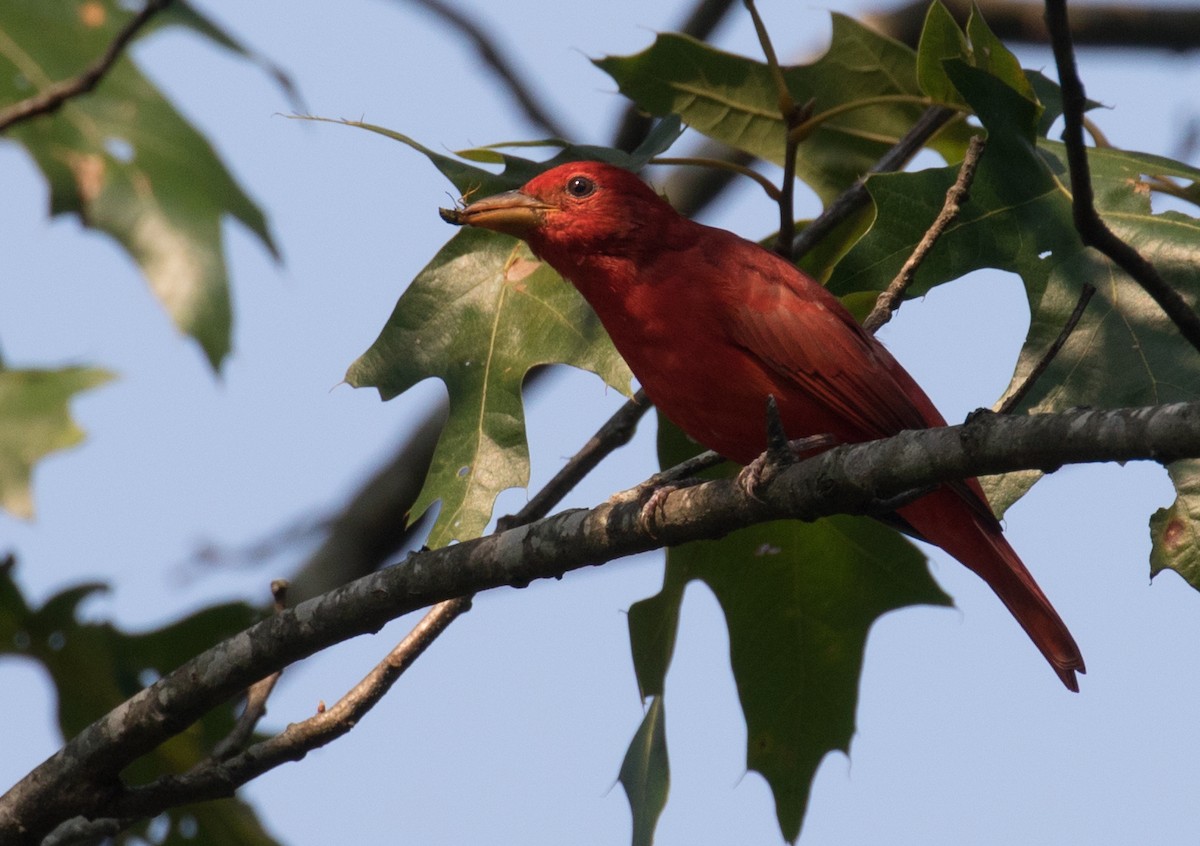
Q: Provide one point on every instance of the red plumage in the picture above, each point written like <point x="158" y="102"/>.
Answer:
<point x="711" y="324"/>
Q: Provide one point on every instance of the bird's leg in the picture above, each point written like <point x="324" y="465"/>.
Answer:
<point x="780" y="451"/>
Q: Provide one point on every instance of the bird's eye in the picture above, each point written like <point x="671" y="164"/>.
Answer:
<point x="580" y="187"/>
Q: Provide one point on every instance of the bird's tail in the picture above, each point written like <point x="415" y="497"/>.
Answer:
<point x="945" y="518"/>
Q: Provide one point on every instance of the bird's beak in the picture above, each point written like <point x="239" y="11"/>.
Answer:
<point x="512" y="213"/>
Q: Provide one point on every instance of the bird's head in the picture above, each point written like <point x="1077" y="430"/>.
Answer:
<point x="573" y="210"/>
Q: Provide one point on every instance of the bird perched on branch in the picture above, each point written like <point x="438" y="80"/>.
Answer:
<point x="712" y="325"/>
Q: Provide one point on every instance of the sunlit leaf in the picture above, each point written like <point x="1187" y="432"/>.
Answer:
<point x="478" y="317"/>
<point x="34" y="422"/>
<point x="126" y="162"/>
<point x="866" y="84"/>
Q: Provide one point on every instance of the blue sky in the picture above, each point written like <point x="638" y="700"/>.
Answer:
<point x="513" y="726"/>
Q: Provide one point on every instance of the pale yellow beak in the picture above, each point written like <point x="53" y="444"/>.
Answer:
<point x="512" y="213"/>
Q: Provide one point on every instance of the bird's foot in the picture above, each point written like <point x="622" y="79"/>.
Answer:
<point x="761" y="470"/>
<point x="652" y="494"/>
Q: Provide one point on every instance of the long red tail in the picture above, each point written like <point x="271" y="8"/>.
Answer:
<point x="946" y="519"/>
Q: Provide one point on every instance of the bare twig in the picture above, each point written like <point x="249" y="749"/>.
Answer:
<point x="856" y="196"/>
<point x="256" y="696"/>
<point x="53" y="97"/>
<point x="490" y="53"/>
<point x="1014" y="399"/>
<point x="793" y="116"/>
<point x="1092" y="229"/>
<point x="216" y="779"/>
<point x="726" y="165"/>
<point x="889" y="300"/>
<point x="616" y="432"/>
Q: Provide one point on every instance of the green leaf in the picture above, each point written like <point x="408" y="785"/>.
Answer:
<point x="126" y="162"/>
<point x="96" y="666"/>
<point x="799" y="600"/>
<point x="34" y="422"/>
<point x="478" y="317"/>
<point x="646" y="774"/>
<point x="866" y="85"/>
<point x="1019" y="218"/>
<point x="989" y="54"/>
<point x="1175" y="530"/>
<point x="941" y="39"/>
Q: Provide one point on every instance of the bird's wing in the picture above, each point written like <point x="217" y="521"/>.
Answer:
<point x="800" y="331"/>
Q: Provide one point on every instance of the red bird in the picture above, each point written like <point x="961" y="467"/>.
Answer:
<point x="712" y="324"/>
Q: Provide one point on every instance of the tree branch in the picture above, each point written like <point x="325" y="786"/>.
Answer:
<point x="1135" y="25"/>
<point x="855" y="197"/>
<point x="82" y="778"/>
<point x="52" y="98"/>
<point x="1092" y="229"/>
<point x="889" y="300"/>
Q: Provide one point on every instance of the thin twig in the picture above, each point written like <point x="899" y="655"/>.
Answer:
<point x="222" y="773"/>
<point x="1092" y="229"/>
<point x="724" y="165"/>
<point x="616" y="432"/>
<point x="53" y="97"/>
<point x="256" y="696"/>
<point x="856" y="196"/>
<point x="216" y="779"/>
<point x="1015" y="398"/>
<point x="793" y="116"/>
<point x="490" y="53"/>
<point x="889" y="300"/>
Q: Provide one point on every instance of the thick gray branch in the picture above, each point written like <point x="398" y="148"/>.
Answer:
<point x="81" y="779"/>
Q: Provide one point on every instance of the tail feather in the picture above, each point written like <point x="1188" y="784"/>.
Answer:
<point x="944" y="518"/>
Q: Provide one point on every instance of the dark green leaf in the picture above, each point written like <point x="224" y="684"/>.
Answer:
<point x="96" y="666"/>
<point x="799" y="599"/>
<point x="864" y="89"/>
<point x="126" y="162"/>
<point x="35" y="421"/>
<point x="1019" y="218"/>
<point x="646" y="774"/>
<point x="478" y="317"/>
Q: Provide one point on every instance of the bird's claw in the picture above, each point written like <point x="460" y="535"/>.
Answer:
<point x="761" y="470"/>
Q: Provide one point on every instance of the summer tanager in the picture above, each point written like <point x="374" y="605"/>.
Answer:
<point x="712" y="324"/>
